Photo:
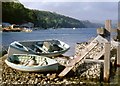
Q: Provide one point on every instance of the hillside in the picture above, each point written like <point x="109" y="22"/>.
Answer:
<point x="16" y="13"/>
<point x="89" y="24"/>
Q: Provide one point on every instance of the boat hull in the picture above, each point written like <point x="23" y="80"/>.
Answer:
<point x="26" y="48"/>
<point x="53" y="66"/>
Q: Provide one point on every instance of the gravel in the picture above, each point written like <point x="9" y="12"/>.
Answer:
<point x="76" y="77"/>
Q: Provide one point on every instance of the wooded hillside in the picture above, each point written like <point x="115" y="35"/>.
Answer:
<point x="16" y="13"/>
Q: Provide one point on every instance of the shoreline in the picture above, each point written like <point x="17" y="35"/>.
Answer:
<point x="45" y="78"/>
<point x="12" y="76"/>
<point x="82" y="74"/>
<point x="76" y="77"/>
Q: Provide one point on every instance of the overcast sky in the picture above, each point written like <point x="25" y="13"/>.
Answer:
<point x="94" y="11"/>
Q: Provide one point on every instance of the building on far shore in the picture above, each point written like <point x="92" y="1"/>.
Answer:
<point x="5" y="24"/>
<point x="28" y="25"/>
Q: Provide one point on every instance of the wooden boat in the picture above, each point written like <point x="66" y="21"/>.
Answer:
<point x="32" y="63"/>
<point x="45" y="48"/>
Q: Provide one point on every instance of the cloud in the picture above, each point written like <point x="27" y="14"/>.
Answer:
<point x="69" y="0"/>
<point x="79" y="10"/>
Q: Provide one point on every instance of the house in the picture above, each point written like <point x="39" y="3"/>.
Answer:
<point x="5" y="24"/>
<point x="28" y="25"/>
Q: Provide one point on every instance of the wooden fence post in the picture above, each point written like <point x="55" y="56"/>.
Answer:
<point x="0" y="15"/>
<point x="118" y="29"/>
<point x="118" y="34"/>
<point x="107" y="29"/>
<point x="107" y="62"/>
<point x="118" y="55"/>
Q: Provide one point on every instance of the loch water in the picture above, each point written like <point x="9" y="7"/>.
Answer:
<point x="68" y="35"/>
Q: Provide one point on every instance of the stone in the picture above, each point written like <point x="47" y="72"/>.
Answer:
<point x="44" y="82"/>
<point x="56" y="79"/>
<point x="51" y="77"/>
<point x="36" y="81"/>
<point x="48" y="75"/>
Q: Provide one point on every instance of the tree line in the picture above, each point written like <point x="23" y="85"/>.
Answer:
<point x="16" y="13"/>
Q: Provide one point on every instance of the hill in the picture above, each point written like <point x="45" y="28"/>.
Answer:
<point x="16" y="13"/>
<point x="89" y="24"/>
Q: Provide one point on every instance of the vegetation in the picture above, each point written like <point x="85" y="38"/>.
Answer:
<point x="16" y="13"/>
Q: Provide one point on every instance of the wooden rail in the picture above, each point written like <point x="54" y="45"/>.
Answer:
<point x="118" y="55"/>
<point x="78" y="59"/>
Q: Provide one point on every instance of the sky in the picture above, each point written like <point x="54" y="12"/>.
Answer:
<point x="95" y="10"/>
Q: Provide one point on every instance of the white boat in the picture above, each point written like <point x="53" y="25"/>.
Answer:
<point x="74" y="28"/>
<point x="32" y="63"/>
<point x="45" y="48"/>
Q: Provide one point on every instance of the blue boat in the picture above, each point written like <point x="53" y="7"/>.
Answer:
<point x="48" y="48"/>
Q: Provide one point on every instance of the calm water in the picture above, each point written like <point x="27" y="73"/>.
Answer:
<point x="67" y="35"/>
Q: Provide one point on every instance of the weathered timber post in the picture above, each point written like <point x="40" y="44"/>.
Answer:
<point x="118" y="25"/>
<point x="107" y="62"/>
<point x="107" y="50"/>
<point x="118" y="34"/>
<point x="0" y="16"/>
<point x="118" y="55"/>
<point x="118" y="29"/>
<point x="108" y="29"/>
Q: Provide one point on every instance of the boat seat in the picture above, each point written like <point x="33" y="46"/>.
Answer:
<point x="31" y="50"/>
<point x="51" y="47"/>
<point x="43" y="50"/>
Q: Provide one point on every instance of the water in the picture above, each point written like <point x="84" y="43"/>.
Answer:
<point x="67" y="35"/>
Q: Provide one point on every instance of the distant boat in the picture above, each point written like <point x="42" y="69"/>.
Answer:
<point x="74" y="28"/>
<point x="32" y="63"/>
<point x="45" y="48"/>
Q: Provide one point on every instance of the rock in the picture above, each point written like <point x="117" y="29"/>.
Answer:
<point x="48" y="75"/>
<point x="48" y="82"/>
<point x="44" y="82"/>
<point x="64" y="80"/>
<point x="51" y="77"/>
<point x="56" y="79"/>
<point x="36" y="81"/>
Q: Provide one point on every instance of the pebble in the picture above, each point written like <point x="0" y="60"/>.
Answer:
<point x="44" y="82"/>
<point x="41" y="78"/>
<point x="48" y="75"/>
<point x="56" y="79"/>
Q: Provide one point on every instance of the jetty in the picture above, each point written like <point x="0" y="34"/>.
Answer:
<point x="104" y="40"/>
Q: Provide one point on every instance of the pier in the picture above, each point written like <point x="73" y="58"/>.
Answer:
<point x="104" y="40"/>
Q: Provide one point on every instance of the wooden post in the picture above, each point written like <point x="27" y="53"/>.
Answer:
<point x="0" y="16"/>
<point x="118" y="55"/>
<point x="101" y="31"/>
<point x="107" y="62"/>
<point x="118" y="75"/>
<point x="118" y="29"/>
<point x="107" y="29"/>
<point x="118" y="24"/>
<point x="118" y="34"/>
<point x="119" y="15"/>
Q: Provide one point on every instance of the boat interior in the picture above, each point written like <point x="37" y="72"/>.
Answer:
<point x="31" y="60"/>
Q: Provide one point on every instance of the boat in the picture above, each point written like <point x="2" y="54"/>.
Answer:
<point x="74" y="28"/>
<point x="32" y="63"/>
<point x="48" y="48"/>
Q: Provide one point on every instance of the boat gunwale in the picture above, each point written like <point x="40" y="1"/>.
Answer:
<point x="33" y="68"/>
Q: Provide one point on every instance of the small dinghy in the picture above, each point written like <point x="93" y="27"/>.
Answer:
<point x="45" y="48"/>
<point x="32" y="63"/>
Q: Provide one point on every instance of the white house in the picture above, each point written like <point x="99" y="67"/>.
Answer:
<point x="29" y="25"/>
